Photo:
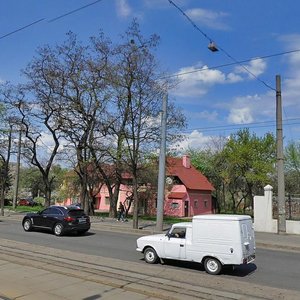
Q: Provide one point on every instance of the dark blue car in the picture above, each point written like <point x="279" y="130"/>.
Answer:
<point x="58" y="219"/>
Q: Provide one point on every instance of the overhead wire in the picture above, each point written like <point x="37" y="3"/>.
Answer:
<point x="73" y="11"/>
<point x="22" y="28"/>
<point x="50" y="21"/>
<point x="245" y="125"/>
<point x="222" y="49"/>
<point x="202" y="69"/>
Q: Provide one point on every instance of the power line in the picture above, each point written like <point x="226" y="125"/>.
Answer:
<point x="229" y="64"/>
<point x="223" y="50"/>
<point x="73" y="11"/>
<point x="22" y="28"/>
<point x="52" y="20"/>
<point x="247" y="125"/>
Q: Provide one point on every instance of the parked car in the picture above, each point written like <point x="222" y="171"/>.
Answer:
<point x="27" y="202"/>
<point x="58" y="219"/>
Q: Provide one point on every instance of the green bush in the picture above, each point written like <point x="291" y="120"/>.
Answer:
<point x="39" y="200"/>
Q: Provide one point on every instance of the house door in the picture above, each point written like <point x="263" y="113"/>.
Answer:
<point x="186" y="208"/>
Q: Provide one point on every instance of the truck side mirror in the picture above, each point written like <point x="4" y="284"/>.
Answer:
<point x="168" y="235"/>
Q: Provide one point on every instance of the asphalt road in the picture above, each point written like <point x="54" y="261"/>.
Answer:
<point x="272" y="268"/>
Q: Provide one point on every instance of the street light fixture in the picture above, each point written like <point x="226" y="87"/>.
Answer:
<point x="162" y="157"/>
<point x="212" y="47"/>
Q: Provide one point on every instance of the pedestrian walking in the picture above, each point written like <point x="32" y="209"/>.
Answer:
<point x="121" y="211"/>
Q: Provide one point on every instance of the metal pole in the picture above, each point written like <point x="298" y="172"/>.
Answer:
<point x="280" y="160"/>
<point x="16" y="189"/>
<point x="162" y="168"/>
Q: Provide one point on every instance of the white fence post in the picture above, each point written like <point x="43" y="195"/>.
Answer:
<point x="263" y="214"/>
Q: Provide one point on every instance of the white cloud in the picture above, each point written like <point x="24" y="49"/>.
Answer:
<point x="232" y="78"/>
<point x="209" y="18"/>
<point x="195" y="81"/>
<point x="256" y="67"/>
<point x="251" y="108"/>
<point x="205" y="115"/>
<point x="123" y="8"/>
<point x="240" y="115"/>
<point x="194" y="140"/>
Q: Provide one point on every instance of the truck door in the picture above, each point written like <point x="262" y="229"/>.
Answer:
<point x="248" y="240"/>
<point x="174" y="245"/>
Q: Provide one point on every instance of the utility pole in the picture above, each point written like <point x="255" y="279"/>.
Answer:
<point x="162" y="167"/>
<point x="280" y="160"/>
<point x="16" y="184"/>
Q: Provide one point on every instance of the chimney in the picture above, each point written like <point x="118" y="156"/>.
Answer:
<point x="186" y="161"/>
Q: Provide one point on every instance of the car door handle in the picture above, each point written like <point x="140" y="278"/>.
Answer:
<point x="181" y="245"/>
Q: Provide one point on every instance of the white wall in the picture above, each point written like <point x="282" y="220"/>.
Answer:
<point x="263" y="218"/>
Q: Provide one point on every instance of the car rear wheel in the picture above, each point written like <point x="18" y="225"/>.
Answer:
<point x="27" y="225"/>
<point x="212" y="266"/>
<point x="58" y="229"/>
<point x="150" y="256"/>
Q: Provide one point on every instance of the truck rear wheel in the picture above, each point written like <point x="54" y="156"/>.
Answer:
<point x="212" y="266"/>
<point x="150" y="256"/>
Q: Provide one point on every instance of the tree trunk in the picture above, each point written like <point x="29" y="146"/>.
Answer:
<point x="114" y="201"/>
<point x="136" y="204"/>
<point x="2" y="197"/>
<point x="47" y="197"/>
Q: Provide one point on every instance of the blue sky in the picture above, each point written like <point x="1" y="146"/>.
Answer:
<point x="216" y="101"/>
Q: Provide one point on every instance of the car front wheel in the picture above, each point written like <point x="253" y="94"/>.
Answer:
<point x="212" y="266"/>
<point x="58" y="229"/>
<point x="150" y="256"/>
<point x="27" y="225"/>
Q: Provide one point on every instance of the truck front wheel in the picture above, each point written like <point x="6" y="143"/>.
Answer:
<point x="150" y="256"/>
<point x="212" y="266"/>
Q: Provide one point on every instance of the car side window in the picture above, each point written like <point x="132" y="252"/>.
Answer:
<point x="47" y="211"/>
<point x="55" y="211"/>
<point x="178" y="232"/>
<point x="51" y="211"/>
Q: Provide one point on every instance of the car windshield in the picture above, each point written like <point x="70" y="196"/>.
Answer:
<point x="76" y="213"/>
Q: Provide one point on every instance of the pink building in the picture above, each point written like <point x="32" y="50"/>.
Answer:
<point x="188" y="190"/>
<point x="102" y="199"/>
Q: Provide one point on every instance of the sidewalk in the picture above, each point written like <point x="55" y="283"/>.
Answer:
<point x="32" y="283"/>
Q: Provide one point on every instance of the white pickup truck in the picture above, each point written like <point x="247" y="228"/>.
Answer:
<point x="213" y="240"/>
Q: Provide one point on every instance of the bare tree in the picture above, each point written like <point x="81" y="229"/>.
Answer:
<point x="138" y="105"/>
<point x="34" y="110"/>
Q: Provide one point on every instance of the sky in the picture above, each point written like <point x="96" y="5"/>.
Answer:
<point x="217" y="94"/>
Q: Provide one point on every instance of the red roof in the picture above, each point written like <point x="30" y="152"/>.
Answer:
<point x="177" y="195"/>
<point x="190" y="177"/>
